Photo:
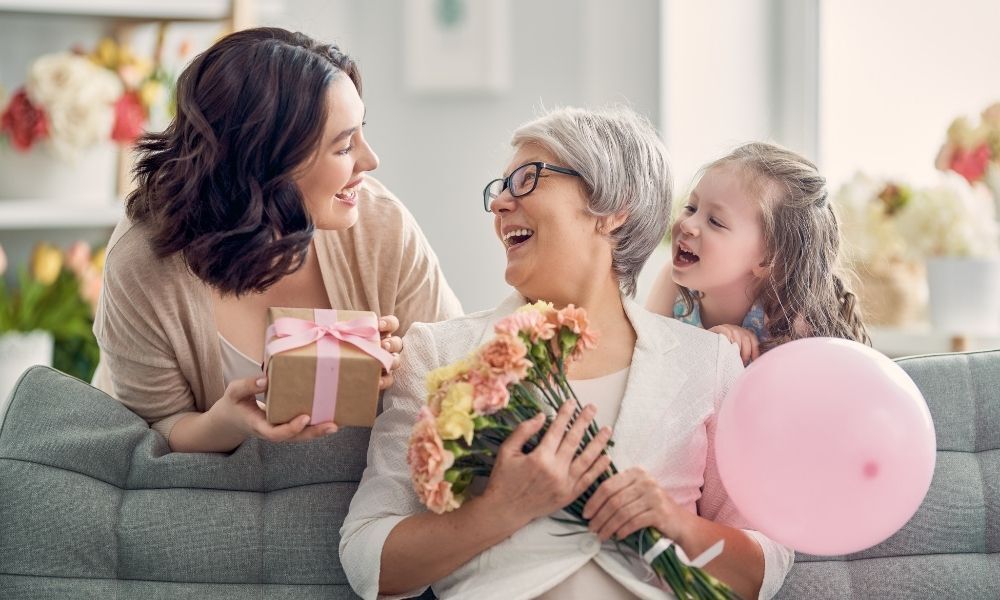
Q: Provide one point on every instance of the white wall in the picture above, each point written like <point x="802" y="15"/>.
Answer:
<point x="438" y="152"/>
<point x="894" y="75"/>
<point x="718" y="82"/>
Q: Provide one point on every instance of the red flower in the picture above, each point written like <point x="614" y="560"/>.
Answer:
<point x="24" y="122"/>
<point x="971" y="164"/>
<point x="129" y="117"/>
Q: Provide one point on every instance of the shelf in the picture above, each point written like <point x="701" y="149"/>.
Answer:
<point x="178" y="9"/>
<point x="52" y="214"/>
<point x="921" y="339"/>
<point x="200" y="10"/>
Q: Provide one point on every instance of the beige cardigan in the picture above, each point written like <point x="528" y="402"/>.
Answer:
<point x="155" y="323"/>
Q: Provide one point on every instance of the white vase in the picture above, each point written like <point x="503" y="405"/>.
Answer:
<point x="964" y="295"/>
<point x="18" y="351"/>
<point x="90" y="178"/>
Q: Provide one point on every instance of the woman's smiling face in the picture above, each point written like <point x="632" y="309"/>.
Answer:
<point x="330" y="180"/>
<point x="550" y="237"/>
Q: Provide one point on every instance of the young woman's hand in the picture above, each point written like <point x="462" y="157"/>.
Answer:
<point x="742" y="337"/>
<point x="387" y="325"/>
<point x="525" y="486"/>
<point x="631" y="500"/>
<point x="237" y="412"/>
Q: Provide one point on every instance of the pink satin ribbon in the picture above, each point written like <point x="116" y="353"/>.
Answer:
<point x="287" y="334"/>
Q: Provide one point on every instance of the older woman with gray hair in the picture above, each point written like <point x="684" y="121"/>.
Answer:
<point x="583" y="203"/>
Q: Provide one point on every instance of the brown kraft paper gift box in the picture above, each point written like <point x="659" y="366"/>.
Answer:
<point x="291" y="377"/>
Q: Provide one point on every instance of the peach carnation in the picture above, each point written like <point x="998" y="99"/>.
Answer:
<point x="427" y="458"/>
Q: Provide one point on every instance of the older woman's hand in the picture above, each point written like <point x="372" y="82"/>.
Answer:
<point x="387" y="325"/>
<point x="525" y="486"/>
<point x="630" y="501"/>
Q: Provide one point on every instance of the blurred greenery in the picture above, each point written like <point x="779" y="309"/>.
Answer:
<point x="53" y="303"/>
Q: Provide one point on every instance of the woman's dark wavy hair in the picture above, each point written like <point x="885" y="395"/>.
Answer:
<point x="218" y="184"/>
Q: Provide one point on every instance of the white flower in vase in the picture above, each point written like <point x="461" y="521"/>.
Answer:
<point x="78" y="96"/>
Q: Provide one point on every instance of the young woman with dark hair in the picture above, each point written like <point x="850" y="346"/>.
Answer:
<point x="256" y="195"/>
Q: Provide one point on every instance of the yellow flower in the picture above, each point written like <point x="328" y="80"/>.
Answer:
<point x="455" y="420"/>
<point x="455" y="424"/>
<point x="46" y="262"/>
<point x="152" y="93"/>
<point x="106" y="53"/>
<point x="98" y="260"/>
<point x="541" y="307"/>
<point x="437" y="377"/>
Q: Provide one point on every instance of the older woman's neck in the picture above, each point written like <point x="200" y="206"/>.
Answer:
<point x="607" y="317"/>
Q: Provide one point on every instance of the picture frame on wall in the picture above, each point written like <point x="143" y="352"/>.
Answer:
<point x="457" y="46"/>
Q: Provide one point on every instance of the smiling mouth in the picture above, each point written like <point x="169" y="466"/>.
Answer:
<point x="348" y="197"/>
<point x="516" y="237"/>
<point x="684" y="257"/>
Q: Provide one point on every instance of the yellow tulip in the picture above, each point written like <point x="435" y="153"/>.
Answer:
<point x="98" y="259"/>
<point x="151" y="93"/>
<point x="46" y="263"/>
<point x="106" y="53"/>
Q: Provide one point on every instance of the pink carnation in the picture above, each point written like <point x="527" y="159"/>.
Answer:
<point x="439" y="498"/>
<point x="428" y="459"/>
<point x="489" y="394"/>
<point x="530" y="323"/>
<point x="971" y="164"/>
<point x="575" y="319"/>
<point x="504" y="357"/>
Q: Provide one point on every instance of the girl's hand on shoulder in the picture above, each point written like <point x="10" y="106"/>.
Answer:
<point x="629" y="501"/>
<point x="744" y="338"/>
<point x="237" y="411"/>
<point x="387" y="325"/>
<point x="524" y="486"/>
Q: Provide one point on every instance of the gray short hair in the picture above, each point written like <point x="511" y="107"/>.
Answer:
<point x="624" y="165"/>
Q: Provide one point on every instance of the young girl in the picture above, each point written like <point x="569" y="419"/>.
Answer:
<point x="755" y="255"/>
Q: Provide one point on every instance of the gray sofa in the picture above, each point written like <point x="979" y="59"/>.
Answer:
<point x="92" y="505"/>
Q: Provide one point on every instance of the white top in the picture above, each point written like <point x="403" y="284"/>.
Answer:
<point x="236" y="365"/>
<point x="666" y="424"/>
<point x="591" y="581"/>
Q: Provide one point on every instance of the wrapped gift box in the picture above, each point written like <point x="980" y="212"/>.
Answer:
<point x="323" y="376"/>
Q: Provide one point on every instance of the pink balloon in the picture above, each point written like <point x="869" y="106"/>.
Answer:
<point x="826" y="446"/>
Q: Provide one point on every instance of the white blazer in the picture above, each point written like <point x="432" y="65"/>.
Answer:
<point x="678" y="378"/>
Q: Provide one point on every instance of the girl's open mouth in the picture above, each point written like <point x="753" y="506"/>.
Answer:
<point x="684" y="258"/>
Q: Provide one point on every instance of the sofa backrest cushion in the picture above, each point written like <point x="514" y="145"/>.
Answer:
<point x="91" y="498"/>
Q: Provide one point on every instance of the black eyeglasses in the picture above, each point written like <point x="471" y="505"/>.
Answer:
<point x="520" y="182"/>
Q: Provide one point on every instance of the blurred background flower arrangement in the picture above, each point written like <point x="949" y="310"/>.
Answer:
<point x="74" y="100"/>
<point x="934" y="246"/>
<point x="54" y="300"/>
<point x="973" y="149"/>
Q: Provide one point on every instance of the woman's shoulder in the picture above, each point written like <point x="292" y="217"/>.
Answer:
<point x="130" y="254"/>
<point x="453" y="338"/>
<point x="133" y="267"/>
<point x="377" y="204"/>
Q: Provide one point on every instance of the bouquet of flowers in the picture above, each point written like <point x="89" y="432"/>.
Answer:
<point x="76" y="99"/>
<point x="475" y="403"/>
<point x="58" y="294"/>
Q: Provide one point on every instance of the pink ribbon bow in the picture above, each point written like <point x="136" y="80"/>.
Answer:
<point x="327" y="333"/>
